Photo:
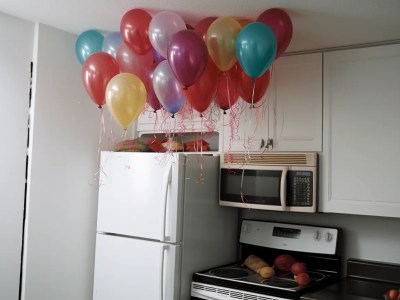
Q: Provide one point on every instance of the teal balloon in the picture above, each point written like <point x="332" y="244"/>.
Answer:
<point x="87" y="43"/>
<point x="256" y="49"/>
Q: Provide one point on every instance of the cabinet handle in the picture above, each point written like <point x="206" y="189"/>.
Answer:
<point x="270" y="142"/>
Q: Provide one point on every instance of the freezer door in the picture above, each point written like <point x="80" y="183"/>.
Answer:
<point x="127" y="268"/>
<point x="139" y="195"/>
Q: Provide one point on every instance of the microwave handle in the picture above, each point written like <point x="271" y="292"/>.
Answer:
<point x="283" y="187"/>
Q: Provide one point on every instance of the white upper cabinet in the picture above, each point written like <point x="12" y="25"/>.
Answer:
<point x="361" y="157"/>
<point x="188" y="121"/>
<point x="292" y="113"/>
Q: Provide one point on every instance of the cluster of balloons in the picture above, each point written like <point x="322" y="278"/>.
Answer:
<point x="166" y="63"/>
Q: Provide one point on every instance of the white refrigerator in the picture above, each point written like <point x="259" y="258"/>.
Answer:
<point x="159" y="222"/>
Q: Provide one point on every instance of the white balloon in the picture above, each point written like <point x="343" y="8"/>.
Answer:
<point x="162" y="28"/>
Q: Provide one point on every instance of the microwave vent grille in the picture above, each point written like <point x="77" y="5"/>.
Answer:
<point x="269" y="158"/>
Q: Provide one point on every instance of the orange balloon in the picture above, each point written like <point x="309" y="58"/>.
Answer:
<point x="244" y="22"/>
<point x="221" y="42"/>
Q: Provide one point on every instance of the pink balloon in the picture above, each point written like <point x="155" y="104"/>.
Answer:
<point x="167" y="88"/>
<point x="162" y="28"/>
<point x="152" y="99"/>
<point x="187" y="56"/>
<point x="131" y="62"/>
<point x="281" y="25"/>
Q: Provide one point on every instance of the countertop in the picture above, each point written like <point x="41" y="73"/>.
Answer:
<point x="352" y="289"/>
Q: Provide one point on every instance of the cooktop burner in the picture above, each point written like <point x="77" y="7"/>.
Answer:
<point x="231" y="272"/>
<point x="287" y="281"/>
<point x="280" y="282"/>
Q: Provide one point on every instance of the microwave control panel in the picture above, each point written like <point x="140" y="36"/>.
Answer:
<point x="300" y="188"/>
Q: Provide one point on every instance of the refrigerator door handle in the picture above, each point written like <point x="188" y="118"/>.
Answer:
<point x="167" y="181"/>
<point x="162" y="277"/>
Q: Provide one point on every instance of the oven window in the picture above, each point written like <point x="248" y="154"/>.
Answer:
<point x="257" y="186"/>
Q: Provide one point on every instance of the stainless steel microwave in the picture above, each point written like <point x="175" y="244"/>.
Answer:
<point x="281" y="181"/>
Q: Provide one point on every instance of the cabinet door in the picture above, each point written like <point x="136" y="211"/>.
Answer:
<point x="360" y="162"/>
<point x="188" y="121"/>
<point x="291" y="115"/>
<point x="296" y="107"/>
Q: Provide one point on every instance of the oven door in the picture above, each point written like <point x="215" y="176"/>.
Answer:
<point x="254" y="187"/>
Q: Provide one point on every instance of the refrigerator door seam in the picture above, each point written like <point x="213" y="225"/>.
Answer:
<point x="139" y="238"/>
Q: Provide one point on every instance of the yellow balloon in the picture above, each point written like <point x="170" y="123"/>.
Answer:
<point x="125" y="98"/>
<point x="221" y="42"/>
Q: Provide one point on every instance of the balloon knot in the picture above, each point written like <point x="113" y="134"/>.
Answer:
<point x="185" y="88"/>
<point x="224" y="112"/>
<point x="99" y="106"/>
<point x="155" y="111"/>
<point x="173" y="116"/>
<point x="201" y="115"/>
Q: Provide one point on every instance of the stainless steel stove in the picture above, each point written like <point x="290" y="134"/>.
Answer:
<point x="315" y="246"/>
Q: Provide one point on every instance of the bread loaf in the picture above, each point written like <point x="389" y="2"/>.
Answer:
<point x="259" y="266"/>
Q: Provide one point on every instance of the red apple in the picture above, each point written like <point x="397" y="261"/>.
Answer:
<point x="392" y="295"/>
<point x="302" y="279"/>
<point x="298" y="268"/>
<point x="284" y="262"/>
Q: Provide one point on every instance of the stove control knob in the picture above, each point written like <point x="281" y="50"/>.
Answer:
<point x="246" y="228"/>
<point x="317" y="235"/>
<point x="328" y="237"/>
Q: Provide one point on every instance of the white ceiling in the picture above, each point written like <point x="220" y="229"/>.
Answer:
<point x="317" y="23"/>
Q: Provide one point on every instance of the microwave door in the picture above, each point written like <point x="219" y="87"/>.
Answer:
<point x="254" y="187"/>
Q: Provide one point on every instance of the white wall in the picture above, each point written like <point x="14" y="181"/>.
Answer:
<point x="15" y="57"/>
<point x="365" y="237"/>
<point x="62" y="189"/>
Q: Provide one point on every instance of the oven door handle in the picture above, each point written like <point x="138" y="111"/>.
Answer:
<point x="283" y="187"/>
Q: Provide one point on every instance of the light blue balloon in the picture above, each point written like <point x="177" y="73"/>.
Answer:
<point x="256" y="49"/>
<point x="111" y="43"/>
<point x="88" y="42"/>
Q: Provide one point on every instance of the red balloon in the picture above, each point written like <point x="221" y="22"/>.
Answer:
<point x="227" y="92"/>
<point x="134" y="30"/>
<point x="202" y="27"/>
<point x="98" y="69"/>
<point x="187" y="56"/>
<point x="152" y="99"/>
<point x="245" y="84"/>
<point x="281" y="25"/>
<point x="201" y="94"/>
<point x="131" y="62"/>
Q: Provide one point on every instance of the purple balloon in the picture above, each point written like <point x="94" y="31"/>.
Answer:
<point x="111" y="43"/>
<point x="157" y="56"/>
<point x="187" y="56"/>
<point x="167" y="88"/>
